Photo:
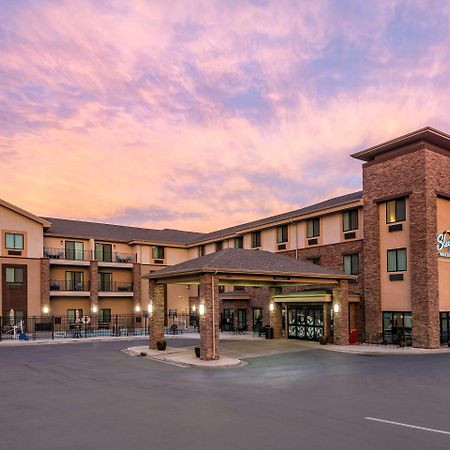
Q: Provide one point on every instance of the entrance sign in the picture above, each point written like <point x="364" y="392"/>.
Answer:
<point x="443" y="244"/>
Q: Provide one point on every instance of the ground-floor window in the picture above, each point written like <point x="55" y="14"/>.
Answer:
<point x="305" y="322"/>
<point x="257" y="317"/>
<point x="74" y="315"/>
<point x="445" y="326"/>
<point x="227" y="319"/>
<point x="397" y="327"/>
<point x="104" y="315"/>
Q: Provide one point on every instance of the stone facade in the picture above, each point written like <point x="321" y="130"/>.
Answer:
<point x="137" y="286"/>
<point x="341" y="317"/>
<point x="93" y="284"/>
<point x="418" y="175"/>
<point x="209" y="322"/>
<point x="156" y="296"/>
<point x="45" y="282"/>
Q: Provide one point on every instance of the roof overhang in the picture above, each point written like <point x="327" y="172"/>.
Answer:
<point x="24" y="213"/>
<point x="425" y="135"/>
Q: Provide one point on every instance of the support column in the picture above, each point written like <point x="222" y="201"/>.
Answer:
<point x="93" y="286"/>
<point x="156" y="319"/>
<point x="137" y="287"/>
<point x="45" y="285"/>
<point x="275" y="313"/>
<point x="209" y="321"/>
<point x="327" y="308"/>
<point x="340" y="298"/>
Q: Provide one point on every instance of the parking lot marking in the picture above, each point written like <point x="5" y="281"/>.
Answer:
<point x="407" y="425"/>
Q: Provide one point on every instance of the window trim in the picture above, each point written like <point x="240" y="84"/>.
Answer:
<point x="397" y="250"/>
<point x="15" y="234"/>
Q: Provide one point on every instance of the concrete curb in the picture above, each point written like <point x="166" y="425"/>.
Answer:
<point x="18" y="343"/>
<point x="183" y="357"/>
<point x="378" y="351"/>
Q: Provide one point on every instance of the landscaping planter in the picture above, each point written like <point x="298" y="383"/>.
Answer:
<point x="197" y="352"/>
<point x="161" y="345"/>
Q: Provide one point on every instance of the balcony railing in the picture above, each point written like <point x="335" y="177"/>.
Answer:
<point x="86" y="255"/>
<point x="62" y="253"/>
<point x="115" y="257"/>
<point x="66" y="285"/>
<point x="115" y="286"/>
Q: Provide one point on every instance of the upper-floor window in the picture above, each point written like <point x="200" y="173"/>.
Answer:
<point x="75" y="250"/>
<point x="158" y="252"/>
<point x="313" y="227"/>
<point x="396" y="260"/>
<point x="219" y="246"/>
<point x="239" y="242"/>
<point x="201" y="250"/>
<point x="14" y="241"/>
<point x="105" y="282"/>
<point x="103" y="252"/>
<point x="396" y="210"/>
<point x="282" y="234"/>
<point x="14" y="274"/>
<point x="256" y="239"/>
<point x="350" y="220"/>
<point x="351" y="264"/>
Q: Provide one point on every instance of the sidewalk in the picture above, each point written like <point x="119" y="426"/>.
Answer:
<point x="366" y="349"/>
<point x="19" y="343"/>
<point x="183" y="357"/>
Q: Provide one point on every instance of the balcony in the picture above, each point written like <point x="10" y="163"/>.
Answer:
<point x="116" y="286"/>
<point x="115" y="257"/>
<point x="71" y="255"/>
<point x="66" y="287"/>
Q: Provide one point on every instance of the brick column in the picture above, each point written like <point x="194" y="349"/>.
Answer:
<point x="137" y="286"/>
<point x="45" y="283"/>
<point x="340" y="297"/>
<point x="326" y="319"/>
<point x="209" y="322"/>
<point x="276" y="314"/>
<point x="156" y="319"/>
<point x="93" y="285"/>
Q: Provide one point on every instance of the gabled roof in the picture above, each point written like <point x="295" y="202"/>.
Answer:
<point x="426" y="134"/>
<point x="242" y="261"/>
<point x="24" y="213"/>
<point x="119" y="233"/>
<point x="331" y="203"/>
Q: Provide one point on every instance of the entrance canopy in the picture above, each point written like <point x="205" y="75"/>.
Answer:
<point x="243" y="267"/>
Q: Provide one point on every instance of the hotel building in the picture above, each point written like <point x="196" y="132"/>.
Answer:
<point x="385" y="250"/>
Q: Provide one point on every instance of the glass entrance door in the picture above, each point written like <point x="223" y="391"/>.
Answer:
<point x="242" y="319"/>
<point x="305" y="322"/>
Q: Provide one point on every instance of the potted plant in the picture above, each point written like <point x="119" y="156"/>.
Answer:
<point x="197" y="351"/>
<point x="323" y="340"/>
<point x="161" y="345"/>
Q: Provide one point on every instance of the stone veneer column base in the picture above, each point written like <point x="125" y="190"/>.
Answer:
<point x="156" y="319"/>
<point x="209" y="322"/>
<point x="340" y="298"/>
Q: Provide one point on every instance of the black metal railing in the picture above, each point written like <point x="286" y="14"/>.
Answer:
<point x="71" y="254"/>
<point x="115" y="286"/>
<point x="68" y="285"/>
<point x="116" y="257"/>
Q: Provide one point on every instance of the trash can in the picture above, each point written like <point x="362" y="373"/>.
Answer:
<point x="353" y="337"/>
<point x="269" y="332"/>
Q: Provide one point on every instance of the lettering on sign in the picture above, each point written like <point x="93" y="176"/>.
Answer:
<point x="443" y="244"/>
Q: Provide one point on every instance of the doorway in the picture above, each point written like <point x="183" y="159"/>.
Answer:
<point x="305" y="322"/>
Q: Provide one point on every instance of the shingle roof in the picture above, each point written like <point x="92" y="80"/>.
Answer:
<point x="330" y="203"/>
<point x="236" y="260"/>
<point x="119" y="233"/>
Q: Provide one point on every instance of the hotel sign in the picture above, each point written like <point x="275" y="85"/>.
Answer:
<point x="443" y="244"/>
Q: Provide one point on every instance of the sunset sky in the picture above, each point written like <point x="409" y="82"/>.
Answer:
<point x="203" y="114"/>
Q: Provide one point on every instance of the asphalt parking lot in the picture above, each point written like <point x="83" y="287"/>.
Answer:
<point x="93" y="396"/>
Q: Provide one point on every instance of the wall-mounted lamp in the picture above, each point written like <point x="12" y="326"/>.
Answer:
<point x="272" y="306"/>
<point x="45" y="309"/>
<point x="193" y="308"/>
<point x="150" y="308"/>
<point x="94" y="309"/>
<point x="201" y="309"/>
<point x="336" y="308"/>
<point x="137" y="308"/>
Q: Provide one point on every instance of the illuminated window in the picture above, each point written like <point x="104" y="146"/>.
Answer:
<point x="396" y="210"/>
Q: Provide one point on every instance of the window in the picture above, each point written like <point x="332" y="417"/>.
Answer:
<point x="103" y="252"/>
<point x="239" y="242"/>
<point x="158" y="252"/>
<point x="201" y="250"/>
<point x="74" y="315"/>
<point x="351" y="264"/>
<point x="75" y="250"/>
<point x="14" y="274"/>
<point x="396" y="210"/>
<point x="397" y="327"/>
<point x="350" y="220"/>
<point x="105" y="282"/>
<point x="396" y="260"/>
<point x="14" y="241"/>
<point x="219" y="246"/>
<point x="256" y="239"/>
<point x="314" y="261"/>
<point x="74" y="281"/>
<point x="104" y="315"/>
<point x="313" y="228"/>
<point x="282" y="234"/>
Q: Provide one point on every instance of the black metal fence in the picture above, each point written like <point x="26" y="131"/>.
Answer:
<point x="62" y="327"/>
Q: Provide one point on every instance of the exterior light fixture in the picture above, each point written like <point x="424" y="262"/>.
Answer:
<point x="45" y="309"/>
<point x="201" y="309"/>
<point x="94" y="309"/>
<point x="272" y="306"/>
<point x="137" y="308"/>
<point x="336" y="308"/>
<point x="193" y="308"/>
<point x="150" y="308"/>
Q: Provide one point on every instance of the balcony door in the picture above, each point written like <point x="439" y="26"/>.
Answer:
<point x="103" y="252"/>
<point x="74" y="281"/>
<point x="105" y="282"/>
<point x="75" y="250"/>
